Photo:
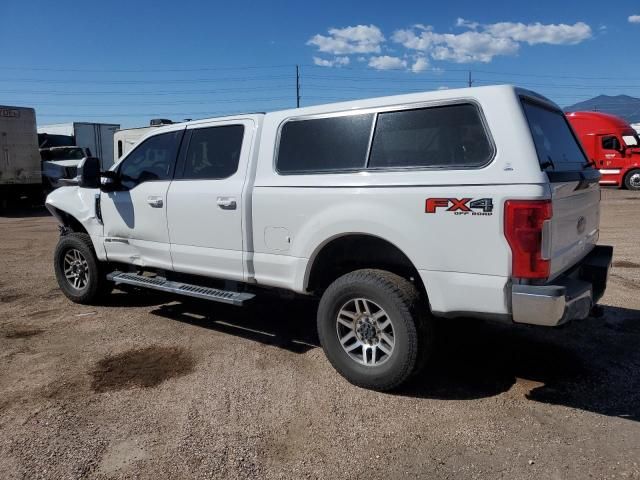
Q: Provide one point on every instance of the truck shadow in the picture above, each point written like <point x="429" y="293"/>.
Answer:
<point x="285" y="324"/>
<point x="593" y="365"/>
<point x="24" y="211"/>
<point x="124" y="206"/>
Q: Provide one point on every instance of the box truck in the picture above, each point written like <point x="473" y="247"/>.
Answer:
<point x="97" y="137"/>
<point x="19" y="157"/>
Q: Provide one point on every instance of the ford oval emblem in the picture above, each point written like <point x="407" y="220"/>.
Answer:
<point x="582" y="224"/>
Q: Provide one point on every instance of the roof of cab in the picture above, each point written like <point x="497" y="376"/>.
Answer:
<point x="600" y="121"/>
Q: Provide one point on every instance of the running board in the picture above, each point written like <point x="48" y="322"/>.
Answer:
<point x="164" y="285"/>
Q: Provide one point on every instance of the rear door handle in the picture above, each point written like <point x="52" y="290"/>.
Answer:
<point x="227" y="203"/>
<point x="155" y="202"/>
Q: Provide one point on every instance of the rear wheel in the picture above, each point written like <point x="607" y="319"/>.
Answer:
<point x="632" y="180"/>
<point x="78" y="271"/>
<point x="374" y="329"/>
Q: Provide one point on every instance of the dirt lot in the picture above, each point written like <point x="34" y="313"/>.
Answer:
<point x="147" y="387"/>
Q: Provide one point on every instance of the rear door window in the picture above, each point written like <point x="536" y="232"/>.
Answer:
<point x="213" y="152"/>
<point x="557" y="147"/>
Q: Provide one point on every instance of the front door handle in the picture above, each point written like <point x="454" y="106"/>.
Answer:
<point x="227" y="203"/>
<point x="155" y="202"/>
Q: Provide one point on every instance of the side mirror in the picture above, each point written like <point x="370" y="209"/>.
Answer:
<point x="618" y="146"/>
<point x="110" y="181"/>
<point x="89" y="173"/>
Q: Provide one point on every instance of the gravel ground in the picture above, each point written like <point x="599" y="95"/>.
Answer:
<point x="147" y="387"/>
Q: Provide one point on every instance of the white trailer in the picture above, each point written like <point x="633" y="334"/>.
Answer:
<point x="127" y="138"/>
<point x="97" y="137"/>
<point x="19" y="157"/>
<point x="124" y="140"/>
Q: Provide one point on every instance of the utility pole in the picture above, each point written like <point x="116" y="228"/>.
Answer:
<point x="297" y="86"/>
<point x="470" y="81"/>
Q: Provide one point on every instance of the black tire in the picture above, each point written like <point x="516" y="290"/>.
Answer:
<point x="632" y="180"/>
<point x="95" y="285"/>
<point x="411" y="323"/>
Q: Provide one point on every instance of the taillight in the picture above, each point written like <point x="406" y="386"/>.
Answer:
<point x="523" y="223"/>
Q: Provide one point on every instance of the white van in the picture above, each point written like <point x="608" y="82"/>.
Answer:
<point x="476" y="202"/>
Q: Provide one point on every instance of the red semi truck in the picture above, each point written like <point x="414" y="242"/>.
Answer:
<point x="612" y="144"/>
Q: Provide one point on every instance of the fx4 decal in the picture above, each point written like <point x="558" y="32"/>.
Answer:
<point x="462" y="206"/>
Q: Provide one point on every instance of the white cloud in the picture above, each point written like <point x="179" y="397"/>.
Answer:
<point x="480" y="43"/>
<point x="334" y="62"/>
<point x="476" y="43"/>
<point x="420" y="65"/>
<point x="536" y="33"/>
<point x="385" y="62"/>
<point x="465" y="47"/>
<point x="341" y="41"/>
<point x="461" y="22"/>
<point x="634" y="18"/>
<point x="410" y="40"/>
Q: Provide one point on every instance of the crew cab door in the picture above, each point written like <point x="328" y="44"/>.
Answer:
<point x="573" y="229"/>
<point x="205" y="206"/>
<point x="135" y="214"/>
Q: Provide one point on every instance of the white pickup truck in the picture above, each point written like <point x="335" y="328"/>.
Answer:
<point x="475" y="202"/>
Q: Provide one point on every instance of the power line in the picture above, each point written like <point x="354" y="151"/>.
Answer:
<point x="194" y="102"/>
<point x="145" y="114"/>
<point x="143" y="70"/>
<point x="146" y="92"/>
<point x="212" y="68"/>
<point x="555" y="85"/>
<point x="144" y="82"/>
<point x="490" y="72"/>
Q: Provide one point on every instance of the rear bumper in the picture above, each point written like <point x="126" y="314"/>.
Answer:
<point x="569" y="297"/>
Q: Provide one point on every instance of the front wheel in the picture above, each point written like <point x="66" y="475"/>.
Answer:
<point x="632" y="180"/>
<point x="374" y="328"/>
<point x="78" y="271"/>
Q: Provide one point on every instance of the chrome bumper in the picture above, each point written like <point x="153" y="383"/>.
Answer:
<point x="569" y="297"/>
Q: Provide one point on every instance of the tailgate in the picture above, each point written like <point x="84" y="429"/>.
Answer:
<point x="574" y="227"/>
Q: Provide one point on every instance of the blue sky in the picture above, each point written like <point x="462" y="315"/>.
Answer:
<point x="129" y="61"/>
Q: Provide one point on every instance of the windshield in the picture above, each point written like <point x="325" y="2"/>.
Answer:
<point x="630" y="139"/>
<point x="65" y="154"/>
<point x="557" y="147"/>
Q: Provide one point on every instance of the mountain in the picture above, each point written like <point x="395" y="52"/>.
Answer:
<point x="620" y="105"/>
